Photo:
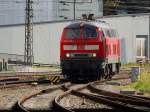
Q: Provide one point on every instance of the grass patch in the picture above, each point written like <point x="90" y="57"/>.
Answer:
<point x="46" y="67"/>
<point x="142" y="85"/>
<point x="129" y="65"/>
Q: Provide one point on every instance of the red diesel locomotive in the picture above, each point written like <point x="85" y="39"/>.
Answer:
<point x="89" y="50"/>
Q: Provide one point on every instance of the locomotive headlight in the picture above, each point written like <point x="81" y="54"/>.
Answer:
<point x="67" y="55"/>
<point x="94" y="55"/>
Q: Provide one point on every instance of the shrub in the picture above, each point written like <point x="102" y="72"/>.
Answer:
<point x="143" y="83"/>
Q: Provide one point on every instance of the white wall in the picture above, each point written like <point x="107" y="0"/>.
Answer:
<point x="46" y="41"/>
<point x="47" y="36"/>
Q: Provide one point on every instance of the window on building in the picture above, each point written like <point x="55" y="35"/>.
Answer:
<point x="141" y="47"/>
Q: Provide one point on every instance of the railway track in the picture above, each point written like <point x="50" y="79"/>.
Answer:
<point x="93" y="100"/>
<point x="20" y="73"/>
<point x="5" y="76"/>
<point x="115" y="102"/>
<point x="26" y="75"/>
<point x="11" y="84"/>
<point x="22" y="107"/>
<point x="29" y="77"/>
<point x="9" y="80"/>
<point x="127" y="102"/>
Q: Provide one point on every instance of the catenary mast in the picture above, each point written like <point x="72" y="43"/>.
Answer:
<point x="28" y="53"/>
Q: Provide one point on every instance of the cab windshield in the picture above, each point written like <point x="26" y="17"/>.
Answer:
<point x="89" y="32"/>
<point x="86" y="32"/>
<point x="72" y="33"/>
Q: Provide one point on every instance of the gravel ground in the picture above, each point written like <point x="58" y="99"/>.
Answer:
<point x="112" y="86"/>
<point x="75" y="102"/>
<point x="123" y="82"/>
<point x="76" y="86"/>
<point x="42" y="101"/>
<point x="123" y="73"/>
<point x="9" y="96"/>
<point x="108" y="88"/>
<point x="88" y="91"/>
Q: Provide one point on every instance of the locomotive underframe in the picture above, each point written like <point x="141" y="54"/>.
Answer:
<point x="88" y="68"/>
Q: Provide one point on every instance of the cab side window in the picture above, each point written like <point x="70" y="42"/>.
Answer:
<point x="108" y="33"/>
<point x="89" y="31"/>
<point x="115" y="33"/>
<point x="112" y="33"/>
<point x="102" y="35"/>
<point x="72" y="33"/>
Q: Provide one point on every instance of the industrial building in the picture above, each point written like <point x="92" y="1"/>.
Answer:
<point x="134" y="31"/>
<point x="13" y="11"/>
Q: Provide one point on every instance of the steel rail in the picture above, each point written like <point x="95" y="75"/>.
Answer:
<point x="124" y="100"/>
<point x="58" y="106"/>
<point x="61" y="108"/>
<point x="23" y="82"/>
<point x="140" y="102"/>
<point x="92" y="86"/>
<point x="120" y="105"/>
<point x="19" y="105"/>
<point x="20" y="74"/>
<point x="143" y="97"/>
<point x="6" y="81"/>
<point x="11" y="84"/>
<point x="94" y="110"/>
<point x="117" y="105"/>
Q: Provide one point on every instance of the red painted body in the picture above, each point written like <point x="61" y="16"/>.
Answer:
<point x="89" y="48"/>
<point x="108" y="47"/>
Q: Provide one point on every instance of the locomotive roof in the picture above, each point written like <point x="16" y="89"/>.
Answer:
<point x="99" y="24"/>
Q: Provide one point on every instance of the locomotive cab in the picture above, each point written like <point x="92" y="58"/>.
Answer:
<point x="83" y="51"/>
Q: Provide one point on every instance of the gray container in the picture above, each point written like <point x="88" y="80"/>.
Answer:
<point x="135" y="72"/>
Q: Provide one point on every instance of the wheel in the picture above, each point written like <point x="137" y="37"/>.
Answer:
<point x="98" y="75"/>
<point x="118" y="67"/>
<point x="108" y="72"/>
<point x="67" y="74"/>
